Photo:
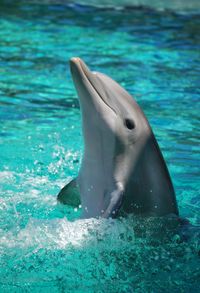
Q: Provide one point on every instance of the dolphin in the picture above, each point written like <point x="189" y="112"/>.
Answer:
<point x="122" y="170"/>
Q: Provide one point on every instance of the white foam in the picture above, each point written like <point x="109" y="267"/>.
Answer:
<point x="63" y="234"/>
<point x="6" y="176"/>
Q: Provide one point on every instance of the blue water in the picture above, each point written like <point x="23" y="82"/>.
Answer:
<point x="155" y="56"/>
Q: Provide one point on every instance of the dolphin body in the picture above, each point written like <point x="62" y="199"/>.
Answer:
<point x="122" y="170"/>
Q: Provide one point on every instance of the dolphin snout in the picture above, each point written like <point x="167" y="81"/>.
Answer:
<point x="74" y="62"/>
<point x="91" y="82"/>
<point x="77" y="66"/>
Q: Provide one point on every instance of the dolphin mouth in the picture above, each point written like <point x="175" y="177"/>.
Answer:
<point x="79" y="68"/>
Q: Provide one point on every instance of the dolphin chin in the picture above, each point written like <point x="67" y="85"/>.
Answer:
<point x="123" y="170"/>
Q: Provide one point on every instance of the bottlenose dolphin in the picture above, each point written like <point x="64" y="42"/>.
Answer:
<point x="122" y="170"/>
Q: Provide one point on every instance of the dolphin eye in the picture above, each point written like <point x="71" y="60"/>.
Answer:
<point x="129" y="123"/>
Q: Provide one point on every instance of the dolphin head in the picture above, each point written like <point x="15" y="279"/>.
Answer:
<point x="112" y="123"/>
<point x="107" y="108"/>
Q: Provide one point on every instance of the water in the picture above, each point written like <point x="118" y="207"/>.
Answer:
<point x="176" y="5"/>
<point x="155" y="56"/>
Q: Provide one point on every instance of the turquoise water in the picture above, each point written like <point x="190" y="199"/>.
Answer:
<point x="155" y="56"/>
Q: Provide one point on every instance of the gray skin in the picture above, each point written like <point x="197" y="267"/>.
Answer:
<point x="123" y="170"/>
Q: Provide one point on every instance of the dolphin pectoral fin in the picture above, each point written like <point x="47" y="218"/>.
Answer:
<point x="115" y="204"/>
<point x="69" y="194"/>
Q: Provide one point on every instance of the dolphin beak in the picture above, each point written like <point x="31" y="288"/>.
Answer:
<point x="81" y="73"/>
<point x="78" y="67"/>
<point x="83" y="77"/>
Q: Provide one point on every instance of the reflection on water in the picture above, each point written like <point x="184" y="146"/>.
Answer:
<point x="155" y="56"/>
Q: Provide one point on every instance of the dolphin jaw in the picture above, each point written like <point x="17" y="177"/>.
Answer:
<point x="78" y="67"/>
